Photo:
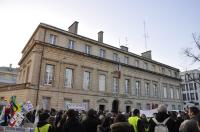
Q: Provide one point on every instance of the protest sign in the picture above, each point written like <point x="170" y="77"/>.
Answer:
<point x="16" y="120"/>
<point x="76" y="106"/>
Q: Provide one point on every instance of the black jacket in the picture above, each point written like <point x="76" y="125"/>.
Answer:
<point x="121" y="127"/>
<point x="160" y="117"/>
<point x="72" y="125"/>
<point x="90" y="124"/>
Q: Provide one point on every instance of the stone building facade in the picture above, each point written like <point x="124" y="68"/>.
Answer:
<point x="59" y="67"/>
<point x="191" y="87"/>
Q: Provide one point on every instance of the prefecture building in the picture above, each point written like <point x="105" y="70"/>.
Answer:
<point x="191" y="87"/>
<point x="60" y="67"/>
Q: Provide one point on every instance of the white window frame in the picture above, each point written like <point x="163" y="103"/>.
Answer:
<point x="49" y="74"/>
<point x="71" y="44"/>
<point x="155" y="90"/>
<point x="147" y="88"/>
<point x="68" y="78"/>
<point x="52" y="39"/>
<point x="165" y="91"/>
<point x="102" y="53"/>
<point x="137" y="63"/>
<point x="115" y="56"/>
<point x="115" y="85"/>
<point x="87" y="49"/>
<point x="126" y="86"/>
<point x="137" y="87"/>
<point x="126" y="60"/>
<point x="102" y="83"/>
<point x="145" y="65"/>
<point x="46" y="103"/>
<point x="177" y="94"/>
<point x="171" y="93"/>
<point x="86" y="80"/>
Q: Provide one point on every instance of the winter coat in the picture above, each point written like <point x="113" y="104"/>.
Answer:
<point x="189" y="125"/>
<point x="160" y="117"/>
<point x="90" y="124"/>
<point x="121" y="127"/>
<point x="72" y="125"/>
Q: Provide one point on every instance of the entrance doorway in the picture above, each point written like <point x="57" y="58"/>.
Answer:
<point x="115" y="106"/>
<point x="101" y="108"/>
<point x="128" y="109"/>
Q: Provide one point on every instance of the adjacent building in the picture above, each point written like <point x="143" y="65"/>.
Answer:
<point x="191" y="87"/>
<point x="8" y="75"/>
<point x="59" y="67"/>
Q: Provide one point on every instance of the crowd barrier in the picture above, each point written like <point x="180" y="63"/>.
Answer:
<point x="15" y="129"/>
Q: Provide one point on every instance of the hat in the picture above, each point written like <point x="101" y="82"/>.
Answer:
<point x="162" y="108"/>
<point x="43" y="116"/>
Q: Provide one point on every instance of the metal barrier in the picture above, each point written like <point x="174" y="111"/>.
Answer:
<point x="16" y="129"/>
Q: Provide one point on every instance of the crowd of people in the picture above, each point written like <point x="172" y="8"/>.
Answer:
<point x="93" y="121"/>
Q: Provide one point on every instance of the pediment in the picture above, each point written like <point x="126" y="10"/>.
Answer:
<point x="102" y="101"/>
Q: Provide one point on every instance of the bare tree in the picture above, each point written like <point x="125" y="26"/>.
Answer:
<point x="189" y="52"/>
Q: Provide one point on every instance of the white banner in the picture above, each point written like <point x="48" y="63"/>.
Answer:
<point x="75" y="106"/>
<point x="148" y="113"/>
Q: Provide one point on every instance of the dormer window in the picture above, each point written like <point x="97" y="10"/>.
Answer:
<point x="52" y="39"/>
<point x="71" y="44"/>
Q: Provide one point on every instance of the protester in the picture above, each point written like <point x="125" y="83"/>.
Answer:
<point x="162" y="118"/>
<point x="72" y="123"/>
<point x="136" y="122"/>
<point x="191" y="124"/>
<point x="145" y="122"/>
<point x="91" y="121"/>
<point x="43" y="125"/>
<point x="121" y="124"/>
<point x="105" y="124"/>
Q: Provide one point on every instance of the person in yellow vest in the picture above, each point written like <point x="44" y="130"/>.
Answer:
<point x="136" y="122"/>
<point x="43" y="125"/>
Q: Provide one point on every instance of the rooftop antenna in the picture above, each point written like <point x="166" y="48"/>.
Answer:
<point x="119" y="42"/>
<point x="146" y="36"/>
<point x="126" y="41"/>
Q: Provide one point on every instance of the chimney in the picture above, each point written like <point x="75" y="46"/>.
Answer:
<point x="124" y="48"/>
<point x="73" y="28"/>
<point x="100" y="36"/>
<point x="10" y="67"/>
<point x="147" y="54"/>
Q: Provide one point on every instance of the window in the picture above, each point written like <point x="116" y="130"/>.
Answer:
<point x="115" y="57"/>
<point x="184" y="97"/>
<point x="163" y="70"/>
<point x="170" y="73"/>
<point x="191" y="86"/>
<point x="137" y="63"/>
<point x="148" y="106"/>
<point x="153" y="68"/>
<point x="127" y="85"/>
<point x="126" y="59"/>
<point x="145" y="65"/>
<point x="165" y="91"/>
<point x="66" y="103"/>
<point x="139" y="106"/>
<point x="195" y="86"/>
<point x="186" y="86"/>
<point x="102" y="53"/>
<point x="155" y="90"/>
<point x="188" y="96"/>
<point x="115" y="85"/>
<point x="71" y="44"/>
<point x="87" y="49"/>
<point x="68" y="78"/>
<point x="137" y="87"/>
<point x="171" y="93"/>
<point x="147" y="89"/>
<point x="173" y="107"/>
<point x="179" y="107"/>
<point x="49" y="74"/>
<point x="102" y="83"/>
<point x="52" y="39"/>
<point x="183" y="87"/>
<point x="197" y="98"/>
<point x="86" y="80"/>
<point x="192" y="96"/>
<point x="46" y="103"/>
<point x="177" y="94"/>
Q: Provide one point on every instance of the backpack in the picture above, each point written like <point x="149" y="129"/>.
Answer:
<point x="161" y="126"/>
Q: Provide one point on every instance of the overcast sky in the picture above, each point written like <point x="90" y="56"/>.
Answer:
<point x="169" y="23"/>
